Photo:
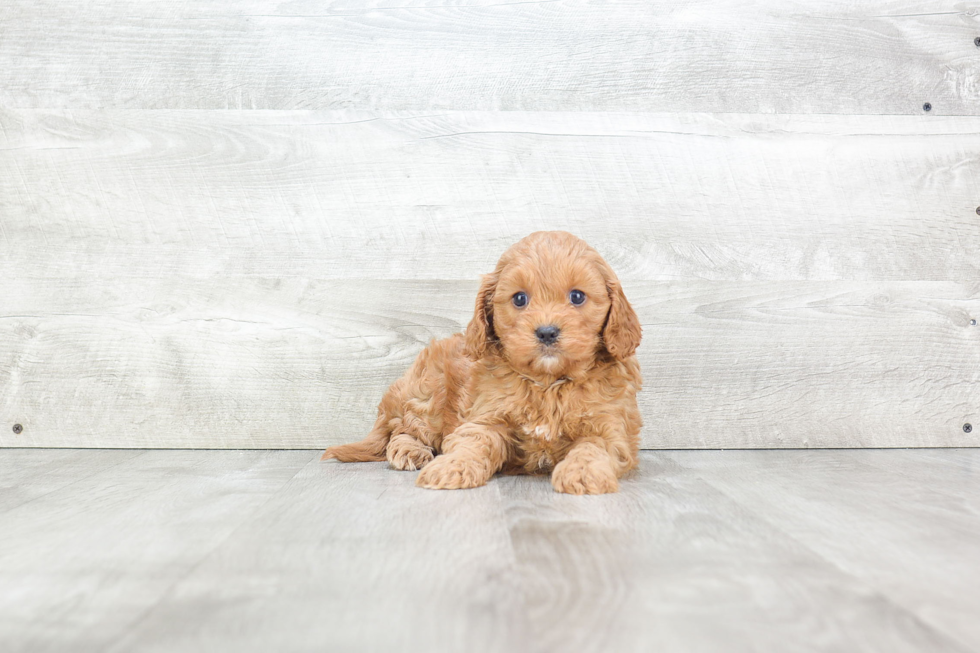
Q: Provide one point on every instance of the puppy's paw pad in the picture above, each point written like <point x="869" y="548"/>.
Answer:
<point x="450" y="472"/>
<point x="572" y="477"/>
<point x="409" y="457"/>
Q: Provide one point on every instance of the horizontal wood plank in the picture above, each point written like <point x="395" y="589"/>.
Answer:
<point x="832" y="56"/>
<point x="30" y="474"/>
<point x="674" y="563"/>
<point x="350" y="558"/>
<point x="267" y="362"/>
<point x="225" y="279"/>
<point x="763" y="551"/>
<point x="143" y="194"/>
<point x="893" y="508"/>
<point x="83" y="564"/>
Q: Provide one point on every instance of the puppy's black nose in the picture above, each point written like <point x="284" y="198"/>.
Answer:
<point x="547" y="334"/>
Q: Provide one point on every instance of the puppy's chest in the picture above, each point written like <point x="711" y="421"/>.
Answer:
<point x="542" y="441"/>
<point x="546" y="429"/>
<point x="541" y="434"/>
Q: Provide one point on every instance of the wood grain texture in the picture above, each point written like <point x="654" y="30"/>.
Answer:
<point x="29" y="474"/>
<point x="673" y="563"/>
<point x="131" y="194"/>
<point x="350" y="558"/>
<point x="81" y="565"/>
<point x="256" y="279"/>
<point x="890" y="506"/>
<point x="832" y="56"/>
<point x="267" y="362"/>
<point x="700" y="551"/>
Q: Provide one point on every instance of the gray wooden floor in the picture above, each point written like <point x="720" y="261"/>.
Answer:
<point x="122" y="550"/>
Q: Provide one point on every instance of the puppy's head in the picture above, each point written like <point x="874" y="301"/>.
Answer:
<point x="551" y="306"/>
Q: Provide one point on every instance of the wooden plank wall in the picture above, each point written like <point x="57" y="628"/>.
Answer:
<point x="233" y="224"/>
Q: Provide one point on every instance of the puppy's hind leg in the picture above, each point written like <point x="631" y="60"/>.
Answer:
<point x="412" y="443"/>
<point x="406" y="453"/>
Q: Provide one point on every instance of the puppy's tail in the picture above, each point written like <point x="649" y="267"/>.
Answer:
<point x="370" y="449"/>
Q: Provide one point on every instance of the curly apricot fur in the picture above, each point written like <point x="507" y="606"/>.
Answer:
<point x="498" y="399"/>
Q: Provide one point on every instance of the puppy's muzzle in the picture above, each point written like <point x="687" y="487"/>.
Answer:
<point x="547" y="335"/>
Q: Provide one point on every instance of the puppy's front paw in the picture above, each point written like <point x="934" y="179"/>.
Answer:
<point x="577" y="475"/>
<point x="406" y="453"/>
<point x="453" y="472"/>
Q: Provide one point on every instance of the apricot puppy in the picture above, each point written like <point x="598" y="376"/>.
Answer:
<point x="544" y="380"/>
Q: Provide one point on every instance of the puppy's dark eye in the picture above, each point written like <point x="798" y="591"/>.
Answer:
<point x="520" y="299"/>
<point x="577" y="297"/>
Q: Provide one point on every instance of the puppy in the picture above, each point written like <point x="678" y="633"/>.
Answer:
<point x="544" y="380"/>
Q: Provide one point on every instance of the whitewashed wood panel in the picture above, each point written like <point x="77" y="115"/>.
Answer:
<point x="269" y="362"/>
<point x="889" y="508"/>
<point x="776" y="56"/>
<point x="675" y="562"/>
<point x="29" y="474"/>
<point x="239" y="279"/>
<point x="700" y="551"/>
<point x="83" y="564"/>
<point x="350" y="558"/>
<point x="139" y="194"/>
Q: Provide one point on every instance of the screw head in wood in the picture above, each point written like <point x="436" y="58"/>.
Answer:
<point x="967" y="427"/>
<point x="18" y="428"/>
<point x="927" y="106"/>
<point x="973" y="322"/>
<point x="978" y="210"/>
<point x="976" y="41"/>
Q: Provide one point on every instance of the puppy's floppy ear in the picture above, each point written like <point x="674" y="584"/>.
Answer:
<point x="479" y="332"/>
<point x="622" y="331"/>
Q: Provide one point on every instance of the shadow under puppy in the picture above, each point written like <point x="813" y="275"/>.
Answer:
<point x="544" y="380"/>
